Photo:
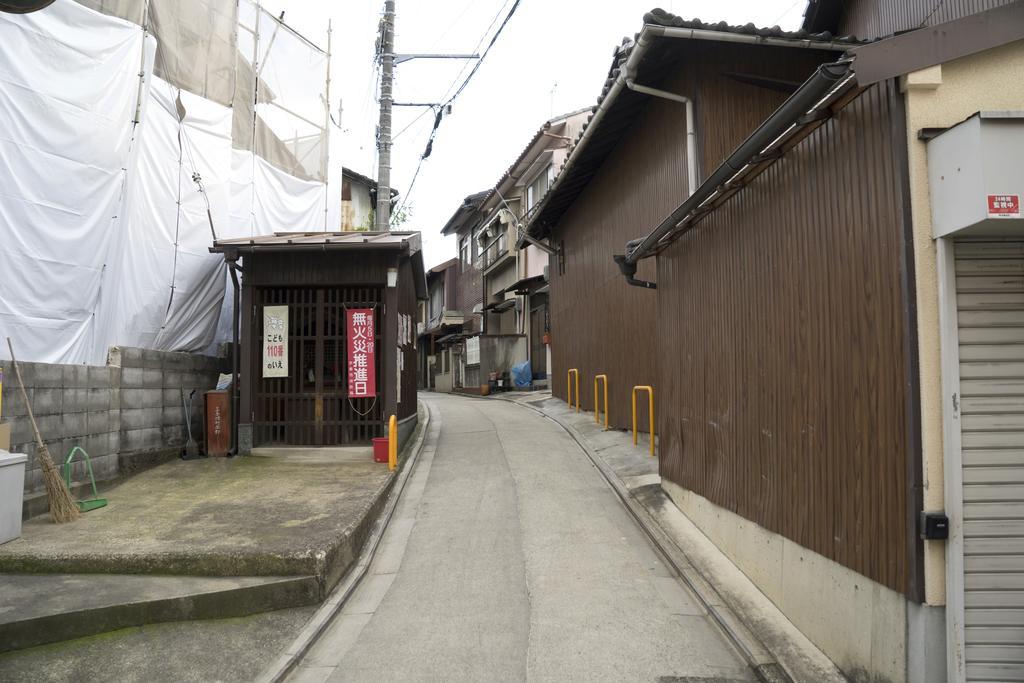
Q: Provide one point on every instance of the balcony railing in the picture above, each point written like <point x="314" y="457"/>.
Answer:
<point x="494" y="251"/>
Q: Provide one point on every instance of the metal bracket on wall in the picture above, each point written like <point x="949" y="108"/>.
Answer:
<point x="547" y="249"/>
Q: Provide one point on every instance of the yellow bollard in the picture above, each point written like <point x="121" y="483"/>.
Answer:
<point x="650" y="410"/>
<point x="392" y="443"/>
<point x="597" y="405"/>
<point x="568" y="379"/>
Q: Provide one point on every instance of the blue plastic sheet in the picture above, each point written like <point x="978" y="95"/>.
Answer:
<point x="521" y="375"/>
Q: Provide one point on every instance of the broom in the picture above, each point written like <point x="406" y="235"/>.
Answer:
<point x="62" y="505"/>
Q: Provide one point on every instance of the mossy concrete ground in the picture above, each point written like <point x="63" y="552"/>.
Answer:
<point x="216" y="517"/>
<point x="37" y="609"/>
<point x="215" y="650"/>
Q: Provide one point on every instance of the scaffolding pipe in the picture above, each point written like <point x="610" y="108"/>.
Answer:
<point x="235" y="394"/>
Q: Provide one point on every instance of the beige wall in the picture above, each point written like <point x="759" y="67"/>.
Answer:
<point x="942" y="96"/>
<point x="859" y="624"/>
<point x="355" y="213"/>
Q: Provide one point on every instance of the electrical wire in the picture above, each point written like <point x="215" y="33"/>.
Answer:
<point x="448" y="90"/>
<point x="480" y="61"/>
<point x="440" y="113"/>
<point x="458" y="76"/>
<point x="412" y="123"/>
<point x="788" y="10"/>
<point x="935" y="9"/>
<point x="476" y="50"/>
<point x="441" y="36"/>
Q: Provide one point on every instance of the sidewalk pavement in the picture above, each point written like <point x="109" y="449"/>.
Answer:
<point x="772" y="644"/>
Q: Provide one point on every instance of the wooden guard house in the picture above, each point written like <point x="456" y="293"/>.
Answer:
<point x="308" y="305"/>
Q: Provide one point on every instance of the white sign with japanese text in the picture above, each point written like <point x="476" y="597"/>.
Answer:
<point x="275" y="341"/>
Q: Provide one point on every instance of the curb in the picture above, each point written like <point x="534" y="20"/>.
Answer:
<point x="274" y="594"/>
<point x="319" y="622"/>
<point x="759" y="658"/>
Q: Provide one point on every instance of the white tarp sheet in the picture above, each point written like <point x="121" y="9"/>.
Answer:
<point x="104" y="235"/>
<point x="69" y="82"/>
<point x="265" y="199"/>
<point x="169" y="286"/>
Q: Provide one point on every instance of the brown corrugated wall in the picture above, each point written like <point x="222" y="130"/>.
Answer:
<point x="781" y="346"/>
<point x="599" y="324"/>
<point x="407" y="305"/>
<point x="876" y="18"/>
<point x="468" y="288"/>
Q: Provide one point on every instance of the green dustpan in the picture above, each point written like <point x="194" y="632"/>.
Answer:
<point x="95" y="502"/>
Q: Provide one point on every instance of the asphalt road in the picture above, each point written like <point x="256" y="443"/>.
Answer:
<point x="510" y="558"/>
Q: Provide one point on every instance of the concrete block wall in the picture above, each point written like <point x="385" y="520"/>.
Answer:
<point x="130" y="407"/>
<point x="152" y="382"/>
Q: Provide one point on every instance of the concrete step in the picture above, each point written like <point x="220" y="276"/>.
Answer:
<point x="322" y="455"/>
<point x="38" y="609"/>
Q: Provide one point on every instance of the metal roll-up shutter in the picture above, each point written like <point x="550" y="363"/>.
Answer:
<point x="990" y="312"/>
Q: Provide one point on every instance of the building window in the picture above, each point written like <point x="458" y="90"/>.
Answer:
<point x="539" y="187"/>
<point x="464" y="251"/>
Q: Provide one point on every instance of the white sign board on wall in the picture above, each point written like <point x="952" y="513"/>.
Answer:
<point x="275" y="341"/>
<point x="472" y="350"/>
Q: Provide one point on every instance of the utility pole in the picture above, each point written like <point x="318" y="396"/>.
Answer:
<point x="388" y="60"/>
<point x="383" y="214"/>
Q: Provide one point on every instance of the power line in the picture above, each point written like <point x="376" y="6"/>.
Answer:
<point x="451" y="25"/>
<point x="440" y="112"/>
<point x="476" y="50"/>
<point x="788" y="10"/>
<point x="411" y="123"/>
<point x="458" y="76"/>
<point x="484" y="55"/>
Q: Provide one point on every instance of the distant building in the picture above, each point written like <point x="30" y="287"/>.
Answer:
<point x="502" y="289"/>
<point x="457" y="355"/>
<point x="359" y="200"/>
<point x="439" y="319"/>
<point x="514" y="281"/>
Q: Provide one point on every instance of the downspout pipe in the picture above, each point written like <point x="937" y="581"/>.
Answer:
<point x="691" y="132"/>
<point x="806" y="98"/>
<point x="235" y="394"/>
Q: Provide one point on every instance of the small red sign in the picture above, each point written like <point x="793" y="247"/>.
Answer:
<point x="362" y="376"/>
<point x="1004" y="206"/>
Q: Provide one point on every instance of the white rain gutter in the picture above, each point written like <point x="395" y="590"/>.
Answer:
<point x="637" y="54"/>
<point x="691" y="131"/>
<point x="628" y="73"/>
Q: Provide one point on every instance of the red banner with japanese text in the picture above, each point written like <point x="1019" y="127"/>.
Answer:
<point x="362" y="378"/>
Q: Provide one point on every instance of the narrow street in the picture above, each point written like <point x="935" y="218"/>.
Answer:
<point x="510" y="558"/>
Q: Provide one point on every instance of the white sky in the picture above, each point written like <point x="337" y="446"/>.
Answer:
<point x="551" y="58"/>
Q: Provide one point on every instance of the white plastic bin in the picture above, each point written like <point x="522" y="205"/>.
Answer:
<point x="12" y="486"/>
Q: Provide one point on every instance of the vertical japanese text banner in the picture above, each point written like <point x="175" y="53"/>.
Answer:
<point x="362" y="378"/>
<point x="275" y="341"/>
